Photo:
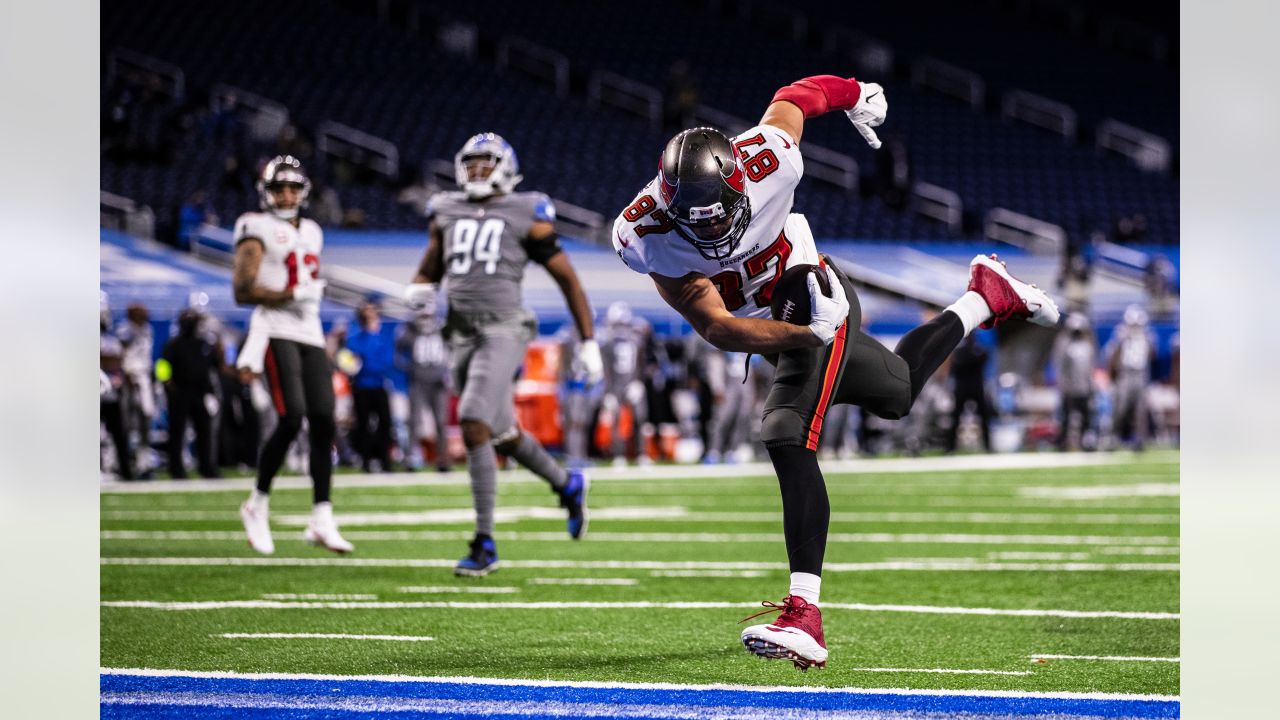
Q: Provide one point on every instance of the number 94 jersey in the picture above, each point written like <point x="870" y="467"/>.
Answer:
<point x="645" y="238"/>
<point x="291" y="257"/>
<point x="486" y="246"/>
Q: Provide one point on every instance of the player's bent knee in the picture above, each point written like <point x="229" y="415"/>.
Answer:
<point x="475" y="433"/>
<point x="782" y="427"/>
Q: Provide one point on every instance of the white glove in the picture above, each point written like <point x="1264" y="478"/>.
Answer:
<point x="587" y="363"/>
<point x="828" y="312"/>
<point x="421" y="296"/>
<point x="869" y="112"/>
<point x="311" y="292"/>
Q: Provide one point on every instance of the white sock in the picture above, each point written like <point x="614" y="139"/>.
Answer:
<point x="259" y="501"/>
<point x="807" y="586"/>
<point x="322" y="511"/>
<point x="972" y="311"/>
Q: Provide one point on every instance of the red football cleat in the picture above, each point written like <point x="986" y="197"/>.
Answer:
<point x="1008" y="297"/>
<point x="796" y="635"/>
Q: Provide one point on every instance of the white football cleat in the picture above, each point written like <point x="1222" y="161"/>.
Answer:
<point x="1008" y="297"/>
<point x="796" y="634"/>
<point x="322" y="530"/>
<point x="256" y="527"/>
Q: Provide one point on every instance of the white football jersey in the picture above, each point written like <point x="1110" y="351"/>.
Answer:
<point x="776" y="239"/>
<point x="292" y="258"/>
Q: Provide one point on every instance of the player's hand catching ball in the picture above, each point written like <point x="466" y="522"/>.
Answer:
<point x="869" y="112"/>
<point x="421" y="297"/>
<point x="588" y="364"/>
<point x="828" y="312"/>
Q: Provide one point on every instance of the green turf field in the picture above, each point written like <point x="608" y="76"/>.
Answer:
<point x="916" y="563"/>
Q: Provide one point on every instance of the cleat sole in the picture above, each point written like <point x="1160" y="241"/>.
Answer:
<point x="772" y="651"/>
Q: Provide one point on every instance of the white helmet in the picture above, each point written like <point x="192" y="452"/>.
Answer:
<point x="504" y="173"/>
<point x="619" y="313"/>
<point x="283" y="170"/>
<point x="1134" y="315"/>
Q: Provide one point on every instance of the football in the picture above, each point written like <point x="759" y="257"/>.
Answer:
<point x="791" y="302"/>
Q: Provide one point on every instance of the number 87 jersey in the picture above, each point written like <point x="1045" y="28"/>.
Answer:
<point x="486" y="246"/>
<point x="775" y="239"/>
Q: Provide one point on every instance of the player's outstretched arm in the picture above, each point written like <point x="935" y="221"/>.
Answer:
<point x="244" y="277"/>
<point x="863" y="103"/>
<point x="695" y="298"/>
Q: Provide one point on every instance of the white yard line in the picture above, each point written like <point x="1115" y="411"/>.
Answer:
<point x="320" y="636"/>
<point x="1021" y="461"/>
<point x="678" y="537"/>
<point x="709" y="573"/>
<point x="659" y="513"/>
<point x="1116" y="658"/>
<point x="626" y="605"/>
<point x="505" y="682"/>
<point x="316" y="596"/>
<point x="942" y="671"/>
<point x="1094" y="492"/>
<point x="933" y="565"/>
<point x="1038" y="556"/>
<point x="478" y="590"/>
<point x="583" y="581"/>
<point x="1141" y="550"/>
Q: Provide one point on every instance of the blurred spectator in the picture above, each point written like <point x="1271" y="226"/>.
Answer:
<point x="422" y="354"/>
<point x="376" y="356"/>
<point x="621" y="348"/>
<point x="681" y="98"/>
<point x="893" y="176"/>
<point x="195" y="211"/>
<point x="1130" y="228"/>
<point x="1158" y="277"/>
<point x="241" y="417"/>
<point x="353" y="218"/>
<point x="191" y="364"/>
<point x="578" y="401"/>
<point x="135" y="335"/>
<point x="1074" y="276"/>
<point x="226" y="122"/>
<point x="292" y="142"/>
<point x="325" y="207"/>
<point x="111" y="390"/>
<point x="968" y="374"/>
<point x="1130" y="354"/>
<point x="734" y="413"/>
<point x="1075" y="357"/>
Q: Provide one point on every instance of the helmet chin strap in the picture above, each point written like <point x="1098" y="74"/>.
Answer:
<point x="285" y="214"/>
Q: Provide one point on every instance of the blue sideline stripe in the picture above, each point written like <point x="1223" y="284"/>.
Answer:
<point x="113" y="685"/>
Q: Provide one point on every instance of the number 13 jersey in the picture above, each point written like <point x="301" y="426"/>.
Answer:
<point x="291" y="257"/>
<point x="776" y="239"/>
<point x="485" y="247"/>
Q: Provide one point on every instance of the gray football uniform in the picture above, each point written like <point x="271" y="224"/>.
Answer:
<point x="486" y="247"/>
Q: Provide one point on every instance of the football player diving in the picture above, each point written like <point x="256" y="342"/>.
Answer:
<point x="480" y="239"/>
<point x="715" y="232"/>
<point x="277" y="269"/>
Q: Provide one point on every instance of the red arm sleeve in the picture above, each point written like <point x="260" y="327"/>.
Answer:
<point x="820" y="94"/>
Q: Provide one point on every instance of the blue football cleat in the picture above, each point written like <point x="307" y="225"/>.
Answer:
<point x="482" y="560"/>
<point x="574" y="499"/>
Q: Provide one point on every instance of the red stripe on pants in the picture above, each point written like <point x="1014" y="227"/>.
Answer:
<point x="273" y="381"/>
<point x="828" y="386"/>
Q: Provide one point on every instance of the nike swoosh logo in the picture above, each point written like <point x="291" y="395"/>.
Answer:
<point x="872" y="95"/>
<point x="785" y="145"/>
